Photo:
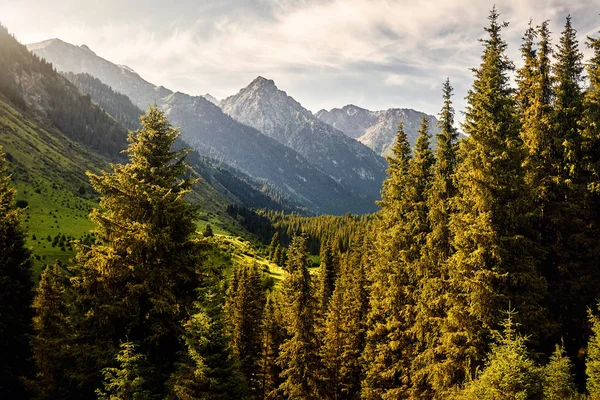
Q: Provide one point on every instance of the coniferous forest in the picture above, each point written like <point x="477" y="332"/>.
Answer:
<point x="479" y="278"/>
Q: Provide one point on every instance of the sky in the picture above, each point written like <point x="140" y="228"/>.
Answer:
<point x="376" y="54"/>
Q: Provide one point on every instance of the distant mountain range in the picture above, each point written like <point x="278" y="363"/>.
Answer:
<point x="376" y="129"/>
<point x="213" y="133"/>
<point x="270" y="110"/>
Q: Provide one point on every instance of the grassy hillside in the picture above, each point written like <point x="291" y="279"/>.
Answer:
<point x="48" y="170"/>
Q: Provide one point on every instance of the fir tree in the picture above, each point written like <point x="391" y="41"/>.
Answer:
<point x="208" y="232"/>
<point x="137" y="282"/>
<point x="273" y="336"/>
<point x="16" y="292"/>
<point x="207" y="368"/>
<point x="344" y="332"/>
<point x="273" y="246"/>
<point x="126" y="381"/>
<point x="558" y="377"/>
<point x="495" y="259"/>
<point x="390" y="342"/>
<point x="244" y="307"/>
<point x="52" y="336"/>
<point x="387" y="350"/>
<point x="434" y="288"/>
<point x="509" y="372"/>
<point x="592" y="362"/>
<point x="327" y="277"/>
<point x="571" y="265"/>
<point x="298" y="354"/>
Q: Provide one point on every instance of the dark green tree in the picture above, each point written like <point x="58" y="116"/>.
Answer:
<point x="273" y="336"/>
<point x="244" y="306"/>
<point x="208" y="231"/>
<point x="494" y="263"/>
<point x="326" y="282"/>
<point x="434" y="287"/>
<point x="298" y="357"/>
<point x="16" y="292"/>
<point x="137" y="282"/>
<point x="592" y="362"/>
<point x="126" y="381"/>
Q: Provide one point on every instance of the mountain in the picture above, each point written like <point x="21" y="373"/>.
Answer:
<point x="235" y="186"/>
<point x="215" y="134"/>
<point x="212" y="99"/>
<point x="376" y="129"/>
<point x="270" y="110"/>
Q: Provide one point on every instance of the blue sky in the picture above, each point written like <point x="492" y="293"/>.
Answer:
<point x="373" y="53"/>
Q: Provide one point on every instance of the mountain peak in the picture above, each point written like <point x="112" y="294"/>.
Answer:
<point x="262" y="82"/>
<point x="86" y="48"/>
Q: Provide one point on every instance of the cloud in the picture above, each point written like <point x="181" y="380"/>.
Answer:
<point x="376" y="53"/>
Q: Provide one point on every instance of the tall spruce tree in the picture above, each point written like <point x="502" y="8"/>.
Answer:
<point x="390" y="341"/>
<point x="571" y="264"/>
<point x="137" y="282"/>
<point x="16" y="292"/>
<point x="591" y="117"/>
<point x="244" y="307"/>
<point x="273" y="336"/>
<point x="298" y="356"/>
<point x="592" y="362"/>
<point x="434" y="288"/>
<point x="344" y="331"/>
<point x="494" y="264"/>
<point x="53" y="336"/>
<point x="387" y="350"/>
<point x="326" y="282"/>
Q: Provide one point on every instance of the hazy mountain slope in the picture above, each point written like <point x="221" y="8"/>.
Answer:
<point x="212" y="133"/>
<point x="263" y="106"/>
<point x="235" y="186"/>
<point x="376" y="129"/>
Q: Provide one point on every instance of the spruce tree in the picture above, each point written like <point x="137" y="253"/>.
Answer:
<point x="344" y="331"/>
<point x="52" y="337"/>
<point x="387" y="350"/>
<point x="16" y="292"/>
<point x="592" y="361"/>
<point x="137" y="282"/>
<point x="434" y="288"/>
<point x="327" y="277"/>
<point x="494" y="263"/>
<point x="558" y="377"/>
<point x="571" y="264"/>
<point x="273" y="336"/>
<point x="591" y="116"/>
<point x="125" y="381"/>
<point x="244" y="307"/>
<point x="509" y="372"/>
<point x="206" y="368"/>
<point x="298" y="357"/>
<point x="273" y="246"/>
<point x="390" y="342"/>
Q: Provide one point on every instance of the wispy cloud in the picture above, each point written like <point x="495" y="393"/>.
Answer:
<point x="375" y="53"/>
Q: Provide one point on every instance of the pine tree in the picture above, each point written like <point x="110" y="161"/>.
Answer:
<point x="509" y="372"/>
<point x="125" y="381"/>
<point x="558" y="377"/>
<point x="206" y="368"/>
<point x="244" y="307"/>
<point x="327" y="277"/>
<point x="344" y="331"/>
<point x="495" y="259"/>
<point x="273" y="336"/>
<point x="208" y="232"/>
<point x="592" y="362"/>
<point x="298" y="357"/>
<point x="405" y="227"/>
<point x="16" y="291"/>
<point x="387" y="348"/>
<point x="571" y="266"/>
<point x="137" y="282"/>
<point x="434" y="288"/>
<point x="52" y="336"/>
<point x="273" y="246"/>
<point x="591" y="116"/>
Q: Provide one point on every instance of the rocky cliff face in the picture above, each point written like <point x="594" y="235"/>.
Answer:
<point x="270" y="110"/>
<point x="376" y="129"/>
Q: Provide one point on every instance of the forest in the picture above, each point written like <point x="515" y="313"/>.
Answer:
<point x="479" y="278"/>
